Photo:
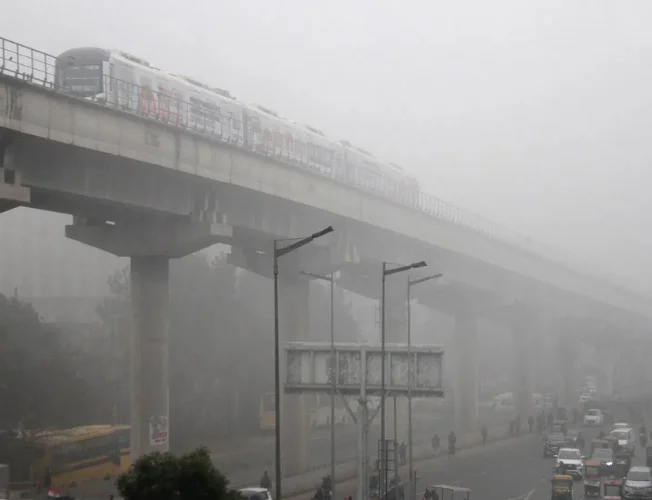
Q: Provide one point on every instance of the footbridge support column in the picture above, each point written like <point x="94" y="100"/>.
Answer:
<point x="150" y="247"/>
<point x="294" y="321"/>
<point x="465" y="372"/>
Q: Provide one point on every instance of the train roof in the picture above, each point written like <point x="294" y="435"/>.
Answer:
<point x="84" y="53"/>
<point x="197" y="83"/>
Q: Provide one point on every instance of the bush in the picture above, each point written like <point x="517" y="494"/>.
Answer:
<point x="165" y="476"/>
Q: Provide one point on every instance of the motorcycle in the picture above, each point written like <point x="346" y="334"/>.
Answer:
<point x="326" y="487"/>
<point x="322" y="494"/>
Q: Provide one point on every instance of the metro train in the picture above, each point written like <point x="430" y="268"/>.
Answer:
<point x="132" y="84"/>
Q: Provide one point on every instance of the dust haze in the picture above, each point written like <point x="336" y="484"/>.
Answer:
<point x="533" y="114"/>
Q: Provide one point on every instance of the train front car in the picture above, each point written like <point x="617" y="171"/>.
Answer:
<point x="83" y="71"/>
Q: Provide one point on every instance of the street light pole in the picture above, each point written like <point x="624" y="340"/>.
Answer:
<point x="410" y="284"/>
<point x="280" y="252"/>
<point x="333" y="385"/>
<point x="409" y="346"/>
<point x="383" y="456"/>
<point x="331" y="279"/>
<point x="386" y="272"/>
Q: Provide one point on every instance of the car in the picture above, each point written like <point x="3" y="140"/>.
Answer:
<point x="620" y="425"/>
<point x="553" y="442"/>
<point x="593" y="417"/>
<point x="605" y="456"/>
<point x="571" y="459"/>
<point x="625" y="440"/>
<point x="584" y="398"/>
<point x="638" y="483"/>
<point x="255" y="493"/>
<point x="572" y="436"/>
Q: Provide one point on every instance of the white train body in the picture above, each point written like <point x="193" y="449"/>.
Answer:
<point x="130" y="83"/>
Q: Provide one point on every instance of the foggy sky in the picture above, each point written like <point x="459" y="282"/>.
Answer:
<point x="533" y="113"/>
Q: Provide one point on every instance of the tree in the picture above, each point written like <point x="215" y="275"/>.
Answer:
<point x="164" y="476"/>
<point x="39" y="385"/>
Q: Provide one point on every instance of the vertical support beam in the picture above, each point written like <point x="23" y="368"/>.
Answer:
<point x="523" y="368"/>
<point x="294" y="307"/>
<point x="465" y="383"/>
<point x="149" y="355"/>
<point x="396" y="333"/>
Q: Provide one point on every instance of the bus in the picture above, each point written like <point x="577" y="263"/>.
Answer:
<point x="319" y="411"/>
<point x="71" y="456"/>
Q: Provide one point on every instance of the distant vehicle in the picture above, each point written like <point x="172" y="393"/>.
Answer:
<point x="584" y="398"/>
<point x="253" y="493"/>
<point x="553" y="443"/>
<point x="638" y="483"/>
<point x="605" y="456"/>
<point x="620" y="425"/>
<point x="592" y="479"/>
<point x="572" y="436"/>
<point x="612" y="489"/>
<point x="625" y="440"/>
<point x="559" y="426"/>
<point x="593" y="417"/>
<point x="59" y="458"/>
<point x="571" y="460"/>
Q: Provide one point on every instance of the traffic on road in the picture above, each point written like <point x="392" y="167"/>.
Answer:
<point x="597" y="448"/>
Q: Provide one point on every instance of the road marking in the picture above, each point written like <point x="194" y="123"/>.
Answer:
<point x="525" y="496"/>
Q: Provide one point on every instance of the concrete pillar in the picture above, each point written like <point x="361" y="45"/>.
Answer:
<point x="465" y="383"/>
<point x="294" y="307"/>
<point x="523" y="371"/>
<point x="149" y="355"/>
<point x="150" y="246"/>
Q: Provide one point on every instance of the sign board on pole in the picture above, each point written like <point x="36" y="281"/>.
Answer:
<point x="158" y="430"/>
<point x="308" y="368"/>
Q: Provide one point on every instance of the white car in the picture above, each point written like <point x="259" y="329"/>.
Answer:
<point x="593" y="417"/>
<point x="255" y="493"/>
<point x="584" y="398"/>
<point x="571" y="458"/>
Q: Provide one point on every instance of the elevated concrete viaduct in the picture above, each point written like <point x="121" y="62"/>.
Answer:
<point x="151" y="191"/>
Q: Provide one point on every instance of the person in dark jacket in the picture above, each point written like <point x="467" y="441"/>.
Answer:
<point x="265" y="481"/>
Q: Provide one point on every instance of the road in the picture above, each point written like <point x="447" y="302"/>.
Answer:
<point x="503" y="470"/>
<point x="245" y="466"/>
